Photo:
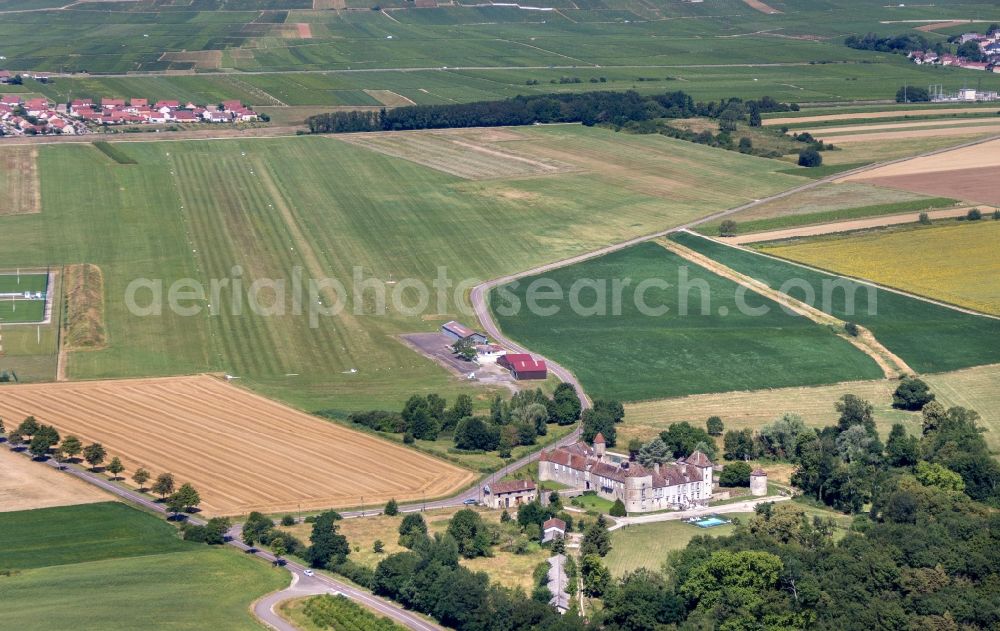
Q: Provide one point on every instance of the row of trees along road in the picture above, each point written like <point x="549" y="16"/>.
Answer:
<point x="43" y="441"/>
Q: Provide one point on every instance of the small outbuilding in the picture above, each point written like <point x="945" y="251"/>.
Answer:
<point x="553" y="529"/>
<point x="509" y="494"/>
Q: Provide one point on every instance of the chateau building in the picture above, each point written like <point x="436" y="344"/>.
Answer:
<point x="679" y="485"/>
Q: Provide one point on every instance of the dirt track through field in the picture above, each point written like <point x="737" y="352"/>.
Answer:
<point x="843" y="226"/>
<point x="26" y="485"/>
<point x="760" y="6"/>
<point x="789" y="120"/>
<point x="240" y="450"/>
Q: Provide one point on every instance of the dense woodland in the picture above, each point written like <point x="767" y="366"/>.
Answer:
<point x="589" y="108"/>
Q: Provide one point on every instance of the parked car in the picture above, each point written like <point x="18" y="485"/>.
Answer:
<point x="470" y="502"/>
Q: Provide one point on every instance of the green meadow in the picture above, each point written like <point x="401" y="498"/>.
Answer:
<point x="929" y="337"/>
<point x="108" y="566"/>
<point x="688" y="337"/>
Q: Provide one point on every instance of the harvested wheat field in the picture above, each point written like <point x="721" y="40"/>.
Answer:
<point x="19" y="190"/>
<point x="241" y="451"/>
<point x="892" y="113"/>
<point x="26" y="485"/>
<point x="985" y="154"/>
<point x="969" y="173"/>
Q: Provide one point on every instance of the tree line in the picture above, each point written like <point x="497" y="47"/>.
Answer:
<point x="43" y="441"/>
<point x="589" y="108"/>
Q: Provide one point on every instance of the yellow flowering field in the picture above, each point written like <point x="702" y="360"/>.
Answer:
<point x="958" y="263"/>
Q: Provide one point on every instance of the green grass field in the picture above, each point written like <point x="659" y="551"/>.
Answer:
<point x="13" y="282"/>
<point x="206" y="588"/>
<point x="108" y="566"/>
<point x="928" y="337"/>
<point x="82" y="533"/>
<point x="649" y="545"/>
<point x="633" y="356"/>
<point x="20" y="310"/>
<point x="197" y="209"/>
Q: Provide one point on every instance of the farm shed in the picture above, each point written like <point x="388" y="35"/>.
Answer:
<point x="523" y="366"/>
<point x="459" y="332"/>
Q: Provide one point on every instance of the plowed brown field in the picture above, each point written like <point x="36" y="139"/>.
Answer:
<point x="240" y="450"/>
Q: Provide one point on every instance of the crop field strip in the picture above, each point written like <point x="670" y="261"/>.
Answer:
<point x="845" y="114"/>
<point x="954" y="263"/>
<point x="835" y="131"/>
<point x="946" y="131"/>
<point x="682" y="354"/>
<point x="20" y="192"/>
<point x="453" y="154"/>
<point x="242" y="452"/>
<point x="927" y="336"/>
<point x="967" y="173"/>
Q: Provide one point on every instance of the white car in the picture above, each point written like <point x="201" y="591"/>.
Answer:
<point x="308" y="572"/>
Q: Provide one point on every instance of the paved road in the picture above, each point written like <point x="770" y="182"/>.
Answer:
<point x="319" y="583"/>
<point x="301" y="585"/>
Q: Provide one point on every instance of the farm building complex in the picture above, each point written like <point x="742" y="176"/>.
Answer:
<point x="683" y="484"/>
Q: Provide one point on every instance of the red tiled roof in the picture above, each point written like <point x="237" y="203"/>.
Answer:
<point x="513" y="486"/>
<point x="698" y="459"/>
<point x="758" y="471"/>
<point x="599" y="438"/>
<point x="554" y="522"/>
<point x="523" y="363"/>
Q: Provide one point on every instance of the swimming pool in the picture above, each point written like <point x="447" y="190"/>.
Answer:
<point x="710" y="522"/>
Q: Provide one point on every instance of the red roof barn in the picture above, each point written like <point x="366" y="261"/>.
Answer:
<point x="523" y="366"/>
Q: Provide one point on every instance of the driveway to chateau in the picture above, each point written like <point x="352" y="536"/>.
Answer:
<point x="736" y="507"/>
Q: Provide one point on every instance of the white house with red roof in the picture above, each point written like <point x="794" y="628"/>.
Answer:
<point x="509" y="494"/>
